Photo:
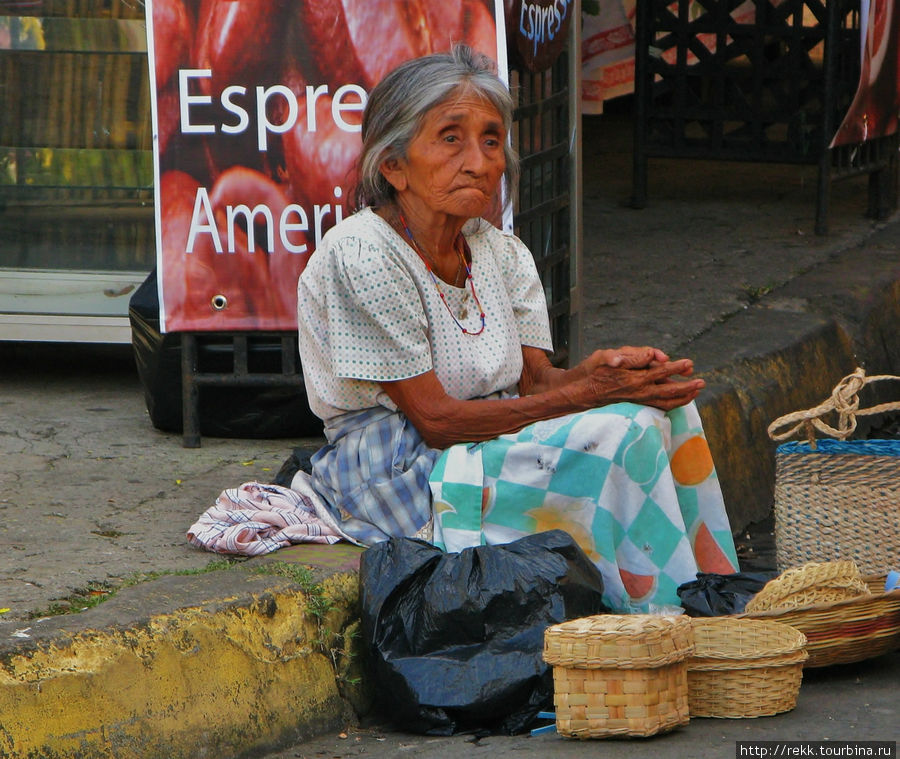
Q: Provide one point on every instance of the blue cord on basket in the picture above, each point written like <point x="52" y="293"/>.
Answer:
<point x="861" y="447"/>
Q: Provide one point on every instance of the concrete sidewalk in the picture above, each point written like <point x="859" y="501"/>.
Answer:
<point x="722" y="266"/>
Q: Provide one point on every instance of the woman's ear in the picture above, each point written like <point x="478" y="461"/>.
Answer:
<point x="394" y="171"/>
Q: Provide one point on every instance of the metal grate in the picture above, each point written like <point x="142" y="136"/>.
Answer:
<point x="878" y="158"/>
<point x="760" y="81"/>
<point x="542" y="134"/>
<point x="244" y="359"/>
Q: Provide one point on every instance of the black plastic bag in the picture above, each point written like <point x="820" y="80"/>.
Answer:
<point x="298" y="460"/>
<point x="454" y="640"/>
<point x="712" y="595"/>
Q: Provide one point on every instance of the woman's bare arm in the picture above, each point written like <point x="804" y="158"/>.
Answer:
<point x="628" y="374"/>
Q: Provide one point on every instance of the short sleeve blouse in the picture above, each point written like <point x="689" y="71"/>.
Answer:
<point x="369" y="312"/>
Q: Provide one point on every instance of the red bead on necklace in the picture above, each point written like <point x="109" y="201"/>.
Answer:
<point x="427" y="261"/>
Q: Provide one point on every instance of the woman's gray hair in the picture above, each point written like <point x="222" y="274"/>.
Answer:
<point x="397" y="106"/>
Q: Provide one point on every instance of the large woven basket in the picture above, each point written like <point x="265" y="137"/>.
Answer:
<point x="844" y="631"/>
<point x="619" y="675"/>
<point x="837" y="499"/>
<point x="744" y="667"/>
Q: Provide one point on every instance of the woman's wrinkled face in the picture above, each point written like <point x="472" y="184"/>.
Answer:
<point x="454" y="164"/>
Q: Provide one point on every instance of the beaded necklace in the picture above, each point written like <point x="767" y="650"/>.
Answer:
<point x="428" y="265"/>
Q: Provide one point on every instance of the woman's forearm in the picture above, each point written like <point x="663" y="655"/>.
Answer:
<point x="539" y="375"/>
<point x="450" y="420"/>
<point x="443" y="420"/>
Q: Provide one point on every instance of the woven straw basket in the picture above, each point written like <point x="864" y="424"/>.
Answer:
<point x="744" y="667"/>
<point x="837" y="499"/>
<point x="844" y="631"/>
<point x="812" y="583"/>
<point x="619" y="675"/>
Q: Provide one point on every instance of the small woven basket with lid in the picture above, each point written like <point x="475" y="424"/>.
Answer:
<point x="744" y="667"/>
<point x="620" y="675"/>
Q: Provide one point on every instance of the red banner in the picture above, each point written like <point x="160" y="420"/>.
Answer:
<point x="875" y="107"/>
<point x="257" y="109"/>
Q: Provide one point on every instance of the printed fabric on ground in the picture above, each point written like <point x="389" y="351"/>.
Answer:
<point x="636" y="488"/>
<point x="256" y="518"/>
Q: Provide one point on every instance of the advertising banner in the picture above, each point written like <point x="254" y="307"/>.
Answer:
<point x="874" y="110"/>
<point x="536" y="31"/>
<point x="257" y="110"/>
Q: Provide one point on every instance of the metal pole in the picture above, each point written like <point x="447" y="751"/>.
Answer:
<point x="190" y="392"/>
<point x="833" y="12"/>
<point x="643" y="15"/>
<point x="576" y="195"/>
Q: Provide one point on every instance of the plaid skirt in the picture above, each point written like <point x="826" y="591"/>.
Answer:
<point x="373" y="475"/>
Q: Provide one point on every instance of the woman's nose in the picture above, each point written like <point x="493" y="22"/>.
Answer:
<point x="473" y="157"/>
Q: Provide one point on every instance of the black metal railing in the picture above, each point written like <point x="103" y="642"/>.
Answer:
<point x="759" y="81"/>
<point x="543" y="211"/>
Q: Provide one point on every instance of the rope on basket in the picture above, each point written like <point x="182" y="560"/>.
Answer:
<point x="844" y="400"/>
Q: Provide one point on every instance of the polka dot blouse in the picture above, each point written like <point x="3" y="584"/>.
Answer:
<point x="368" y="312"/>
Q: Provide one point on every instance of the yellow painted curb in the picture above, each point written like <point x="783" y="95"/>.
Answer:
<point x="216" y="679"/>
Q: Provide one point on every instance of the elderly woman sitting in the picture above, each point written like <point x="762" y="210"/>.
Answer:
<point x="424" y="336"/>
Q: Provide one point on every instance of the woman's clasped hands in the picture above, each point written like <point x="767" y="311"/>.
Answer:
<point x="642" y="375"/>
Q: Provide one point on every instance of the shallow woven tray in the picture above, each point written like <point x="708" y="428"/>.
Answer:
<point x="808" y="584"/>
<point x="619" y="675"/>
<point x="842" y="632"/>
<point x="744" y="667"/>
